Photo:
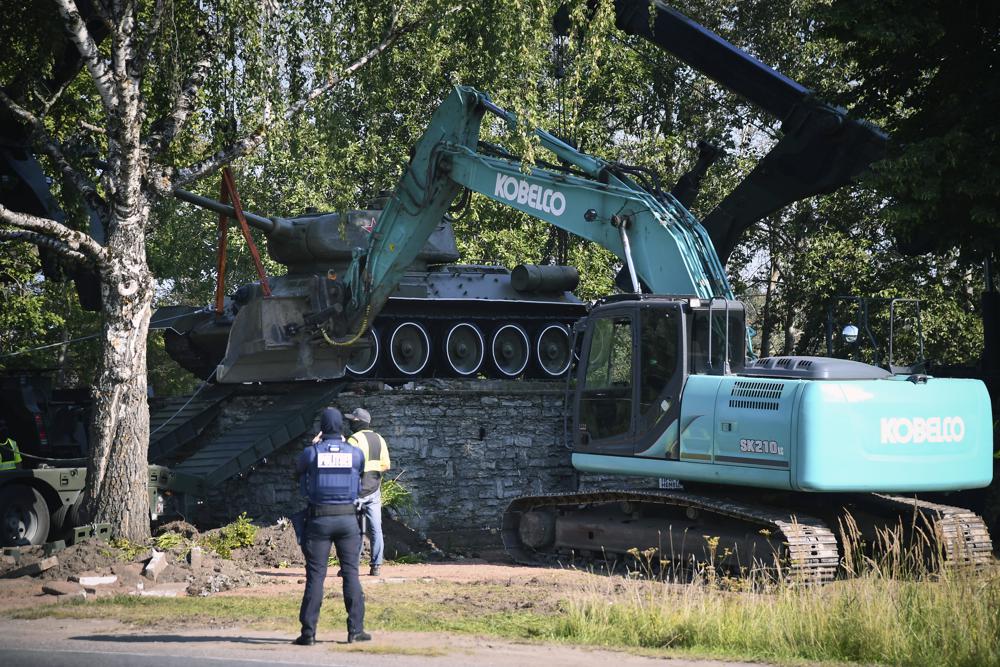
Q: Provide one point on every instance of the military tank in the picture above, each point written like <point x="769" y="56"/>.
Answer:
<point x="443" y="320"/>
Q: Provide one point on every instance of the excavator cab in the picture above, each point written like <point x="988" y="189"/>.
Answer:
<point x="636" y="355"/>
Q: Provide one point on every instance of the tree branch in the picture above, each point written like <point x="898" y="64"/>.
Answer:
<point x="74" y="240"/>
<point x="53" y="98"/>
<point x="165" y="129"/>
<point x="91" y="57"/>
<point x="93" y="128"/>
<point x="122" y="44"/>
<point x="149" y="34"/>
<point x="51" y="148"/>
<point x="168" y="179"/>
<point x="48" y="243"/>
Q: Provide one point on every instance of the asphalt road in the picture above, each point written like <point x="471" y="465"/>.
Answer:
<point x="51" y="642"/>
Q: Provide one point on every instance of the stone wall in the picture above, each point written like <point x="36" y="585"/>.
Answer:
<point x="463" y="448"/>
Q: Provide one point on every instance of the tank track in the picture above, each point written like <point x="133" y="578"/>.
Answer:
<point x="963" y="535"/>
<point x="811" y="553"/>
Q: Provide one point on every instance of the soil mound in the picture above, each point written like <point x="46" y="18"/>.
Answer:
<point x="200" y="575"/>
<point x="190" y="561"/>
<point x="274" y="546"/>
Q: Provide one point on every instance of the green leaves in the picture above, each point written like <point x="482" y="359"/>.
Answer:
<point x="923" y="72"/>
<point x="928" y="74"/>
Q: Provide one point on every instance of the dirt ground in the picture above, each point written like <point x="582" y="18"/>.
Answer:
<point x="272" y="567"/>
<point x="273" y="564"/>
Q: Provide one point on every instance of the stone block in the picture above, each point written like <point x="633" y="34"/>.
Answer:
<point x="93" y="579"/>
<point x="104" y="591"/>
<point x="156" y="565"/>
<point x="195" y="557"/>
<point x="33" y="569"/>
<point x="53" y="547"/>
<point x="171" y="590"/>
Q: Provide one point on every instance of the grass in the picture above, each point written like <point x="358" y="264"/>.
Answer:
<point x="460" y="608"/>
<point x="951" y="622"/>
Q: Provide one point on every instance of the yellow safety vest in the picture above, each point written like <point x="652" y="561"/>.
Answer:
<point x="9" y="446"/>
<point x="376" y="459"/>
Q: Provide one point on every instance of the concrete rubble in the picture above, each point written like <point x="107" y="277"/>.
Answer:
<point x="156" y="565"/>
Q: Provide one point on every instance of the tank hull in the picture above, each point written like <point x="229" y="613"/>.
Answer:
<point x="422" y="314"/>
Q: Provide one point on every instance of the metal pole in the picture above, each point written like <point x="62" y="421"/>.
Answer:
<point x="620" y="223"/>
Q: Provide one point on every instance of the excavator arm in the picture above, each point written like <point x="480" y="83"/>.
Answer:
<point x="665" y="246"/>
<point x="821" y="149"/>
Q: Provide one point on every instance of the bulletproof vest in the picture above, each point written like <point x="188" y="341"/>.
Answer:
<point x="334" y="477"/>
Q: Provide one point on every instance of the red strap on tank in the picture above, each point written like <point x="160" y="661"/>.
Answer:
<point x="221" y="240"/>
<point x="229" y="191"/>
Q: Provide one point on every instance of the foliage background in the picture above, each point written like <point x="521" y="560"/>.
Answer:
<point x="919" y="226"/>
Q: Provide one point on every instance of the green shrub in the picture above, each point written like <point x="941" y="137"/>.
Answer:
<point x="168" y="541"/>
<point x="396" y="496"/>
<point x="409" y="559"/>
<point x="236" y="535"/>
<point x="127" y="551"/>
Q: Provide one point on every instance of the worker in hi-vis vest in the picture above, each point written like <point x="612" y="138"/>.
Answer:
<point x="376" y="452"/>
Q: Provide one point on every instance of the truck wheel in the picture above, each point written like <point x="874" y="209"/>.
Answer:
<point x="24" y="516"/>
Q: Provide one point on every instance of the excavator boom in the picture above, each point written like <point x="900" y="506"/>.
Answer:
<point x="821" y="148"/>
<point x="669" y="250"/>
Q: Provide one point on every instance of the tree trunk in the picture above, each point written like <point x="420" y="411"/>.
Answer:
<point x="789" y="330"/>
<point x="117" y="474"/>
<point x="769" y="318"/>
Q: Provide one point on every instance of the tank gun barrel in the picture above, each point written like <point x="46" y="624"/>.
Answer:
<point x="269" y="226"/>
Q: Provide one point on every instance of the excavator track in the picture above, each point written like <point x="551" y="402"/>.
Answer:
<point x="962" y="536"/>
<point x="799" y="548"/>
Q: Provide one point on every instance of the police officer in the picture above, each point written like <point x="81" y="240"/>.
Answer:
<point x="332" y="478"/>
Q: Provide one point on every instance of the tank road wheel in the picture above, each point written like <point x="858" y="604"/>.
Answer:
<point x="464" y="348"/>
<point x="410" y="348"/>
<point x="552" y="350"/>
<point x="511" y="350"/>
<point x="24" y="516"/>
<point x="364" y="358"/>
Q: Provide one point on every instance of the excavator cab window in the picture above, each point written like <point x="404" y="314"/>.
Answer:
<point x="605" y="406"/>
<point x="660" y="351"/>
<point x="631" y="379"/>
<point x="727" y="340"/>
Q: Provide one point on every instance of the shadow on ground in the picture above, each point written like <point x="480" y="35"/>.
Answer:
<point x="152" y="639"/>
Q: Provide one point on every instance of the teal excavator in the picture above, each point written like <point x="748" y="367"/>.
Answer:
<point x="664" y="387"/>
<point x="773" y="452"/>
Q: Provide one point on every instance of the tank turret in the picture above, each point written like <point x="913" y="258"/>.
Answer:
<point x="318" y="242"/>
<point x="443" y="320"/>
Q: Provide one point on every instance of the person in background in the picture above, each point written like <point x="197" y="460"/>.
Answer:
<point x="332" y="470"/>
<point x="376" y="452"/>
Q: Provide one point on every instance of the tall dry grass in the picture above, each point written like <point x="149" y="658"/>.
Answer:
<point x="896" y="603"/>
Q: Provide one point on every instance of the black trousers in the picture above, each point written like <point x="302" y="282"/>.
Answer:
<point x="321" y="532"/>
